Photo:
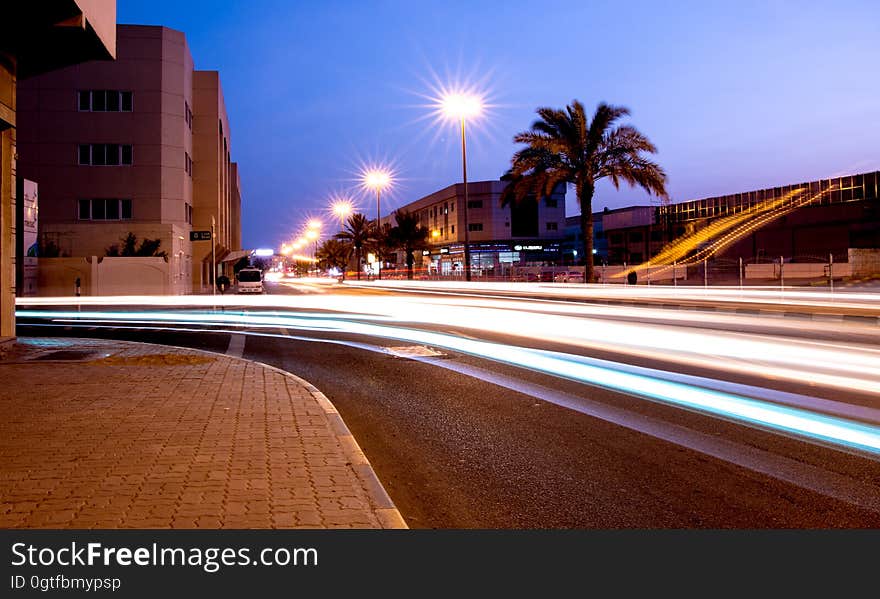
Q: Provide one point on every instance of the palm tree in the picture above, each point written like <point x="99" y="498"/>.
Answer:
<point x="564" y="147"/>
<point x="334" y="253"/>
<point x="409" y="236"/>
<point x="358" y="232"/>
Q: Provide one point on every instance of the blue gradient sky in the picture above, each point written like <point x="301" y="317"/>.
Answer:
<point x="736" y="95"/>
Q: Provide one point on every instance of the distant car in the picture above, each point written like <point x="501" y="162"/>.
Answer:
<point x="250" y="280"/>
<point x="569" y="277"/>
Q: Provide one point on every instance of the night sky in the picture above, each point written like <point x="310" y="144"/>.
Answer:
<point x="736" y="95"/>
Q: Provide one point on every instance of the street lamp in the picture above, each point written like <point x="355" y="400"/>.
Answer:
<point x="460" y="107"/>
<point x="312" y="234"/>
<point x="377" y="179"/>
<point x="343" y="209"/>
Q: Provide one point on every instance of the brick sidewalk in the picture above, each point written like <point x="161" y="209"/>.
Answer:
<point x="146" y="436"/>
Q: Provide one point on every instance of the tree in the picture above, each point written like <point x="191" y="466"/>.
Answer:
<point x="564" y="147"/>
<point x="409" y="236"/>
<point x="129" y="247"/>
<point x="334" y="253"/>
<point x="358" y="232"/>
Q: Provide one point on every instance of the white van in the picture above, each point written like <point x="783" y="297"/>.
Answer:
<point x="249" y="280"/>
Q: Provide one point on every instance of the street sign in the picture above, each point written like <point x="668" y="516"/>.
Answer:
<point x="200" y="236"/>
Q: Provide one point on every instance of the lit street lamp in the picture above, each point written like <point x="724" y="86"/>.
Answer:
<point x="378" y="180"/>
<point x="460" y="107"/>
<point x="343" y="209"/>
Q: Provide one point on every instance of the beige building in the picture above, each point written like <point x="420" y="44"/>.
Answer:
<point x="499" y="236"/>
<point x="124" y="147"/>
<point x="36" y="37"/>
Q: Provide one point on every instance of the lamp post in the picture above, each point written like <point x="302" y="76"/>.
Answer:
<point x="377" y="180"/>
<point x="460" y="107"/>
<point x="342" y="209"/>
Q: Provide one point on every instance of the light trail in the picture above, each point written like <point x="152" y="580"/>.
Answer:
<point x="779" y="417"/>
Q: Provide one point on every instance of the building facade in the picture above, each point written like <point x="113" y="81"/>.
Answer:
<point x="37" y="37"/>
<point x="118" y="148"/>
<point x="499" y="236"/>
<point x="799" y="222"/>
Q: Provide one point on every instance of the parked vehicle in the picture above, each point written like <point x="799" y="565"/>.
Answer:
<point x="249" y="280"/>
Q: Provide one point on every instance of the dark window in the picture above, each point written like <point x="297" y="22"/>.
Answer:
<point x="112" y="154"/>
<point x="99" y="100"/>
<point x="113" y="101"/>
<point x="99" y="154"/>
<point x="475" y="226"/>
<point x="85" y="209"/>
<point x="112" y="210"/>
<point x="551" y="202"/>
<point x="85" y="155"/>
<point x="126" y="101"/>
<point x="126" y="209"/>
<point x="475" y="204"/>
<point x="635" y="237"/>
<point x="99" y="209"/>
<point x="656" y="235"/>
<point x="552" y="227"/>
<point x="84" y="100"/>
<point x="616" y="238"/>
<point x="452" y="230"/>
<point x="126" y="154"/>
<point x="452" y="207"/>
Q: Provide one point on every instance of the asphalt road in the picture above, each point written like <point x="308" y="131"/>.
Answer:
<point x="465" y="442"/>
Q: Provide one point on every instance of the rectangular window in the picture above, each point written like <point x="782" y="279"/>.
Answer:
<point x="99" y="100"/>
<point x="85" y="154"/>
<point x="552" y="227"/>
<point x="112" y="210"/>
<point x="104" y="209"/>
<point x="126" y="101"/>
<point x="84" y="100"/>
<point x="635" y="237"/>
<point x="112" y="101"/>
<point x="475" y="204"/>
<point x="616" y="238"/>
<point x="112" y="154"/>
<point x="475" y="226"/>
<point x="99" y="209"/>
<point x="552" y="202"/>
<point x="126" y="154"/>
<point x="452" y="230"/>
<point x="99" y="154"/>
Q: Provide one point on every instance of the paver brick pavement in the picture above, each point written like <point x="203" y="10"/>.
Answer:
<point x="147" y="436"/>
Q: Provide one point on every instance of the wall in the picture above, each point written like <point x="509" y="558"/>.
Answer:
<point x="865" y="262"/>
<point x="104" y="276"/>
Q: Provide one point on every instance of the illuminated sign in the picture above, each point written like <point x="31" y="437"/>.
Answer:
<point x="528" y="248"/>
<point x="263" y="252"/>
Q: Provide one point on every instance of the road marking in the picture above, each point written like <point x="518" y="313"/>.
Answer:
<point x="236" y="345"/>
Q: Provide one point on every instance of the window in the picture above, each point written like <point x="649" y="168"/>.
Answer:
<point x="475" y="204"/>
<point x="616" y="238"/>
<point x="635" y="237"/>
<point x="552" y="226"/>
<point x="475" y="226"/>
<point x="187" y="164"/>
<point x="552" y="202"/>
<point x="188" y="213"/>
<point x="104" y="154"/>
<point x="104" y="100"/>
<point x="656" y="235"/>
<point x="104" y="209"/>
<point x="452" y="230"/>
<point x="187" y="115"/>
